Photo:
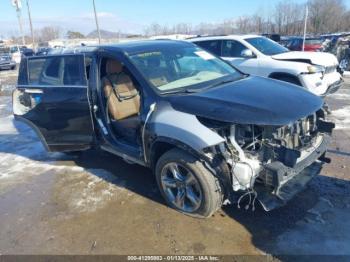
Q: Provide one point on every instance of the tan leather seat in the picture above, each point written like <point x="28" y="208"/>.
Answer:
<point x="125" y="102"/>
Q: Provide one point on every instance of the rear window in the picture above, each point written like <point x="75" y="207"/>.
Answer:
<point x="313" y="41"/>
<point x="57" y="71"/>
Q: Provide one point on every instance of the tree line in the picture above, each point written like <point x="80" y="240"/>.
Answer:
<point x="286" y="18"/>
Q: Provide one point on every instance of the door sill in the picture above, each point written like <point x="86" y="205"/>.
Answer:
<point x="125" y="157"/>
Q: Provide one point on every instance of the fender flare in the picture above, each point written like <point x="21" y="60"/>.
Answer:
<point x="167" y="143"/>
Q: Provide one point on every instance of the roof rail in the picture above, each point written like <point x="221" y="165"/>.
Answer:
<point x="199" y="36"/>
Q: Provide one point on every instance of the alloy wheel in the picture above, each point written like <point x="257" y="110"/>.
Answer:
<point x="181" y="187"/>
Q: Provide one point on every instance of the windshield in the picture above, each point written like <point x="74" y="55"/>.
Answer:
<point x="177" y="68"/>
<point x="266" y="46"/>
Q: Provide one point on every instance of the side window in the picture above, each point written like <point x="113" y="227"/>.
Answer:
<point x="53" y="67"/>
<point x="211" y="46"/>
<point x="35" y="67"/>
<point x="45" y="71"/>
<point x="57" y="71"/>
<point x="73" y="73"/>
<point x="231" y="48"/>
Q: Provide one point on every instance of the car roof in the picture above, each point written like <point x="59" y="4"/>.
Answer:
<point x="145" y="46"/>
<point x="225" y="37"/>
<point x="126" y="47"/>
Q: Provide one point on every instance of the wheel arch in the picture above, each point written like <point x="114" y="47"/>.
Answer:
<point x="161" y="145"/>
<point x="217" y="166"/>
<point x="281" y="75"/>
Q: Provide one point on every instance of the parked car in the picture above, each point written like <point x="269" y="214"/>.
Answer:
<point x="210" y="133"/>
<point x="274" y="37"/>
<point x="285" y="40"/>
<point x="16" y="53"/>
<point x="43" y="51"/>
<point x="311" y="44"/>
<point x="257" y="55"/>
<point x="27" y="51"/>
<point x="6" y="61"/>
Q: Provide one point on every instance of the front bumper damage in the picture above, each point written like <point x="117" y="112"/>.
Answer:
<point x="281" y="183"/>
<point x="322" y="84"/>
<point x="334" y="87"/>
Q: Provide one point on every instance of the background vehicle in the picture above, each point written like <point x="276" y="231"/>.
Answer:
<point x="6" y="61"/>
<point x="273" y="37"/>
<point x="16" y="53"/>
<point x="27" y="51"/>
<point x="43" y="51"/>
<point x="257" y="55"/>
<point x="197" y="122"/>
<point x="311" y="44"/>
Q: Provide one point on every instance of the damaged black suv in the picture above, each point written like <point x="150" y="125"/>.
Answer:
<point x="211" y="134"/>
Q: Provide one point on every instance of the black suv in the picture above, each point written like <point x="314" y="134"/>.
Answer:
<point x="211" y="134"/>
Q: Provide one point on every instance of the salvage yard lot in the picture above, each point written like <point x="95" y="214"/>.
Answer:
<point x="98" y="204"/>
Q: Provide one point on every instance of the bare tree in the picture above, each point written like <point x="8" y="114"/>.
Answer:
<point x="49" y="33"/>
<point x="327" y="16"/>
<point x="287" y="18"/>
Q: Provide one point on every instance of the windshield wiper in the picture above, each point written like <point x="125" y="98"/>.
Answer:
<point x="226" y="81"/>
<point x="196" y="90"/>
<point x="176" y="92"/>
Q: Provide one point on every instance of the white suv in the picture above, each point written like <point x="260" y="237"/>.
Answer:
<point x="258" y="55"/>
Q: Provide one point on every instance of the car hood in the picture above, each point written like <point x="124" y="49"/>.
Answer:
<point x="315" y="58"/>
<point x="253" y="100"/>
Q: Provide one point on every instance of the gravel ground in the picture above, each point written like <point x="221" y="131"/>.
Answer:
<point x="98" y="204"/>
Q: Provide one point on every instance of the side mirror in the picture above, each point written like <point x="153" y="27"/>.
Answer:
<point x="247" y="53"/>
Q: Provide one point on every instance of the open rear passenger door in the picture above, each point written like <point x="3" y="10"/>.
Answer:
<point x="52" y="97"/>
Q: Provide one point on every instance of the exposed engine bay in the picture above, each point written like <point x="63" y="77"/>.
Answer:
<point x="264" y="160"/>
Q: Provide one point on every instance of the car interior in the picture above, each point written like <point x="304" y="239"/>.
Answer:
<point x="122" y="101"/>
<point x="158" y="77"/>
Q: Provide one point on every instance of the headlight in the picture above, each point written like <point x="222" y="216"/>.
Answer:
<point x="312" y="69"/>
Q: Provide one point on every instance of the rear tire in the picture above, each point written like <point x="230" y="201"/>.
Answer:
<point x="201" y="198"/>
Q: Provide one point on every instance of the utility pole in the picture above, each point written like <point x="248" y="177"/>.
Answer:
<point x="305" y="25"/>
<point x="18" y="5"/>
<point x="96" y="20"/>
<point x="31" y="25"/>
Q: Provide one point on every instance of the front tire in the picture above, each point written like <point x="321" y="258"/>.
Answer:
<point x="187" y="185"/>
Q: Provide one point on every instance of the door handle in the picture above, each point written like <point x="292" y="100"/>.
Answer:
<point x="33" y="91"/>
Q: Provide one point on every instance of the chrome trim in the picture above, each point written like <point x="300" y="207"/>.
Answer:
<point x="33" y="91"/>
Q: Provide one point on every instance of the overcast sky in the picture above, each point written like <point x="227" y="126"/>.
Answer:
<point x="127" y="15"/>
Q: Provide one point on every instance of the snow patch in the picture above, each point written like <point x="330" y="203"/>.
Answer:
<point x="23" y="156"/>
<point x="90" y="190"/>
<point x="342" y="118"/>
<point x="341" y="96"/>
<point x="346" y="74"/>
